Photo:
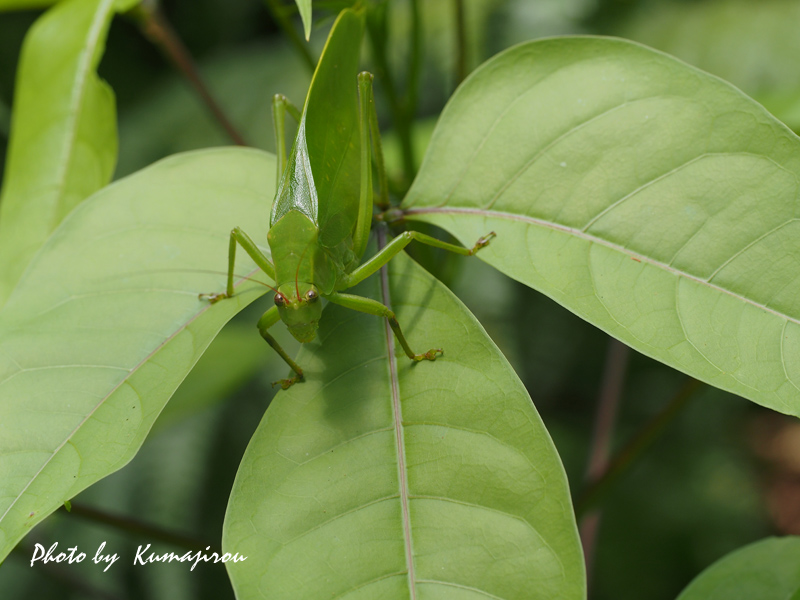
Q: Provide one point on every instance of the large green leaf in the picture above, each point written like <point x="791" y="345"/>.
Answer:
<point x="63" y="129"/>
<point x="750" y="44"/>
<point x="380" y="478"/>
<point x="107" y="322"/>
<point x="304" y="6"/>
<point x="653" y="200"/>
<point x="767" y="570"/>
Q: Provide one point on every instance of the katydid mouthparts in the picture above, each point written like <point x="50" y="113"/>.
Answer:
<point x="323" y="208"/>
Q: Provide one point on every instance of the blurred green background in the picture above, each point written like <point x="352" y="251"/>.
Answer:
<point x="724" y="472"/>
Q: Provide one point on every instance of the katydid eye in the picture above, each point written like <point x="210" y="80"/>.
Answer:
<point x="311" y="296"/>
<point x="280" y="300"/>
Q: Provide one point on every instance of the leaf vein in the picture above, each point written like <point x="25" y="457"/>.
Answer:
<point x="339" y="516"/>
<point x="397" y="414"/>
<point x="76" y="98"/>
<point x="463" y="587"/>
<point x="601" y="242"/>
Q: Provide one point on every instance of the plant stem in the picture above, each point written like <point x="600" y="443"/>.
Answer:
<point x="412" y="93"/>
<point x="279" y="14"/>
<point x="138" y="528"/>
<point x="461" y="42"/>
<point x="157" y="29"/>
<point x="635" y="448"/>
<point x="414" y="62"/>
<point x="607" y="408"/>
<point x="403" y="109"/>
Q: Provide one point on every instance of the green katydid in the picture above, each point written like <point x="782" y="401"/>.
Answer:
<point x="319" y="225"/>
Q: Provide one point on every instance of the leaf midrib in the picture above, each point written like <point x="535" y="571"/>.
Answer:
<point x="76" y="101"/>
<point x="486" y="213"/>
<point x="398" y="426"/>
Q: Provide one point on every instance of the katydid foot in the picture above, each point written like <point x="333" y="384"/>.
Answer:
<point x="429" y="355"/>
<point x="287" y="383"/>
<point x="482" y="242"/>
<point x="213" y="298"/>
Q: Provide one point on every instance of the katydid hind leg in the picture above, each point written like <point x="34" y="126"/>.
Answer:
<point x="267" y="320"/>
<point x="364" y="218"/>
<point x="377" y="150"/>
<point x="280" y="106"/>
<point x="373" y="307"/>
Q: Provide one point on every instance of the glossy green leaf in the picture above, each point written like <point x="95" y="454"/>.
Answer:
<point x="767" y="570"/>
<point x="304" y="6"/>
<point x="655" y="201"/>
<point x="107" y="322"/>
<point x="377" y="475"/>
<point x="63" y="142"/>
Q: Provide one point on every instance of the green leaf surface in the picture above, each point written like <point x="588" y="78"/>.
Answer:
<point x="653" y="200"/>
<point x="381" y="478"/>
<point x="107" y="322"/>
<point x="304" y="6"/>
<point x="63" y="142"/>
<point x="767" y="570"/>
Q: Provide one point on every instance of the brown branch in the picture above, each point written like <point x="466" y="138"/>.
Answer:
<point x="635" y="448"/>
<point x="138" y="528"/>
<point x="157" y="29"/>
<point x="607" y="408"/>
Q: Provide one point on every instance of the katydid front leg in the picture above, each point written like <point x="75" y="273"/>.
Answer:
<point x="401" y="241"/>
<point x="373" y="307"/>
<point x="240" y="237"/>
<point x="267" y="320"/>
<point x="270" y="317"/>
<point x="280" y="106"/>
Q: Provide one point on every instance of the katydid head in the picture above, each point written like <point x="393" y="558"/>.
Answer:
<point x="299" y="307"/>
